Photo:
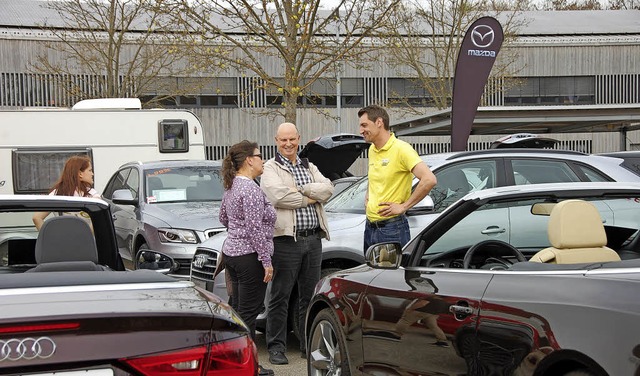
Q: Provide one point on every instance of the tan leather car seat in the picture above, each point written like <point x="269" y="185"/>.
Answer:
<point x="576" y="235"/>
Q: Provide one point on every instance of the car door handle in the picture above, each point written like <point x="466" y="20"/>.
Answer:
<point x="460" y="310"/>
<point x="493" y="230"/>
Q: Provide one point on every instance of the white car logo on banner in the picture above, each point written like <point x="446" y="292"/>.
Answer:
<point x="482" y="36"/>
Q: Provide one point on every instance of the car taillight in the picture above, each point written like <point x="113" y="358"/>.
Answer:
<point x="236" y="357"/>
<point x="39" y="327"/>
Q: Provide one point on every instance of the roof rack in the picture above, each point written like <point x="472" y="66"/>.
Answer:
<point x="515" y="151"/>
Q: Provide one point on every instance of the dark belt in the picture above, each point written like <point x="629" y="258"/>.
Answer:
<point x="309" y="232"/>
<point x="384" y="222"/>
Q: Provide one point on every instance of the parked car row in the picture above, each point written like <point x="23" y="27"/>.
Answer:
<point x="463" y="284"/>
<point x="458" y="173"/>
<point x="172" y="206"/>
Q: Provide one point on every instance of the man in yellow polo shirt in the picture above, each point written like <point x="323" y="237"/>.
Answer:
<point x="392" y="165"/>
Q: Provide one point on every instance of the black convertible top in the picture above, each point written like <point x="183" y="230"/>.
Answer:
<point x="58" y="279"/>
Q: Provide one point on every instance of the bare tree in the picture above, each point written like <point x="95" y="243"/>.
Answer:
<point x="425" y="38"/>
<point x="624" y="4"/>
<point x="112" y="48"/>
<point x="572" y="5"/>
<point x="306" y="42"/>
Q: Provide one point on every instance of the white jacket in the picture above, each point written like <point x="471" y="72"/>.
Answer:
<point x="278" y="183"/>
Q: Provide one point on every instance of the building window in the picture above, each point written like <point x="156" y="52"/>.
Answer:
<point x="218" y="101"/>
<point x="274" y="100"/>
<point x="352" y="100"/>
<point x="552" y="91"/>
<point x="187" y="100"/>
<point x="352" y="90"/>
<point x="404" y="92"/>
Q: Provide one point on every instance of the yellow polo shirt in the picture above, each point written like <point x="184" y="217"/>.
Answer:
<point x="390" y="174"/>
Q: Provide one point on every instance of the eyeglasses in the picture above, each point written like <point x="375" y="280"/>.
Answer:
<point x="257" y="155"/>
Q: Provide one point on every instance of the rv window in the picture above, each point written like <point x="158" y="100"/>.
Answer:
<point x="35" y="171"/>
<point x="173" y="136"/>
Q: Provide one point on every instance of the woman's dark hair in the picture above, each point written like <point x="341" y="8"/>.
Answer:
<point x="236" y="156"/>
<point x="69" y="181"/>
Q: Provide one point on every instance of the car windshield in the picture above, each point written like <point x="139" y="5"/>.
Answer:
<point x="351" y="200"/>
<point x="183" y="184"/>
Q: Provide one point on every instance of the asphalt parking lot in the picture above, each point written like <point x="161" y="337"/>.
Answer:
<point x="296" y="367"/>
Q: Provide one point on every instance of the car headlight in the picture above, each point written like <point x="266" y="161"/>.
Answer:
<point x="174" y="235"/>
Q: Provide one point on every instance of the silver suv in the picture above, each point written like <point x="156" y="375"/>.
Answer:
<point x="458" y="173"/>
<point x="166" y="206"/>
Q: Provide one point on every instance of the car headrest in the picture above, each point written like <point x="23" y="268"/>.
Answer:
<point x="65" y="238"/>
<point x="576" y="224"/>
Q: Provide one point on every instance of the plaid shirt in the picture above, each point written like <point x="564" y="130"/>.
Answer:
<point x="306" y="218"/>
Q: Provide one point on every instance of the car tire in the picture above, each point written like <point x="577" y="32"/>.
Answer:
<point x="143" y="247"/>
<point x="326" y="348"/>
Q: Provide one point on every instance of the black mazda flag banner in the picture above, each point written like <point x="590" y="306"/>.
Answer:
<point x="477" y="54"/>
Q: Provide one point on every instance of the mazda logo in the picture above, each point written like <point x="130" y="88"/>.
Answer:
<point x="482" y="36"/>
<point x="26" y="349"/>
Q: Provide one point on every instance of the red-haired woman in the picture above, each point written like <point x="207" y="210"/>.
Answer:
<point x="76" y="180"/>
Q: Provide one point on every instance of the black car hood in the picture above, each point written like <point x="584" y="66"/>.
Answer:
<point x="334" y="154"/>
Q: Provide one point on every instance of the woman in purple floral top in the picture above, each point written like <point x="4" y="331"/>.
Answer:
<point x="250" y="219"/>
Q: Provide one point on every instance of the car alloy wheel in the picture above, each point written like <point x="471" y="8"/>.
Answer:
<point x="327" y="347"/>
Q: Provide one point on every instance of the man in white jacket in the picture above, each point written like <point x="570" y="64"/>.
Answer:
<point x="297" y="190"/>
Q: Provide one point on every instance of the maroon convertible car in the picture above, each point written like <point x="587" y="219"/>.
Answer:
<point x="537" y="280"/>
<point x="67" y="307"/>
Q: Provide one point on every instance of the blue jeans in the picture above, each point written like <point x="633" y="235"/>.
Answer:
<point x="397" y="232"/>
<point x="293" y="262"/>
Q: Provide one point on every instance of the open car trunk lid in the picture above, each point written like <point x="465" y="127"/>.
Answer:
<point x="334" y="154"/>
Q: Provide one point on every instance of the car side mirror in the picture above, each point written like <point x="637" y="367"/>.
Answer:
<point x="156" y="261"/>
<point x="384" y="255"/>
<point x="123" y="197"/>
<point x="425" y="206"/>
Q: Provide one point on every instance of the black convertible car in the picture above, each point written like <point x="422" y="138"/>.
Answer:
<point x="68" y="307"/>
<point x="525" y="280"/>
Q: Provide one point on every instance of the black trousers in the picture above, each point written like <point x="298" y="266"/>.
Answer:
<point x="248" y="288"/>
<point x="294" y="263"/>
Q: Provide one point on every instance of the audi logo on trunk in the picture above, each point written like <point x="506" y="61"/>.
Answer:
<point x="26" y="348"/>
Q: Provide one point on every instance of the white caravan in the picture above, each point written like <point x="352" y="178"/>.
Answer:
<point x="34" y="144"/>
